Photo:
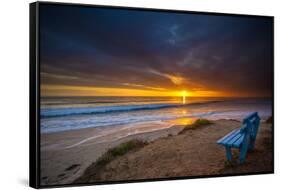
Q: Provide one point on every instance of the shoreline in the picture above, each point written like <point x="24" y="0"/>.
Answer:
<point x="72" y="138"/>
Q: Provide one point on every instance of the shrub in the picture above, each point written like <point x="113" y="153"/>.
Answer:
<point x="200" y="122"/>
<point x="196" y="124"/>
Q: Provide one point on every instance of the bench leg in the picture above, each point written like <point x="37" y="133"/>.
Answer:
<point x="252" y="144"/>
<point x="243" y="153"/>
<point x="228" y="153"/>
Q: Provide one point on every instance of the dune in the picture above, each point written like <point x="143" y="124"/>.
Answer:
<point x="193" y="152"/>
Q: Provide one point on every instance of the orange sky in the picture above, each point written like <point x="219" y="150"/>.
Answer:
<point x="65" y="90"/>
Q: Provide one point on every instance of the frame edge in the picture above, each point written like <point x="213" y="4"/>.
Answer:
<point x="33" y="136"/>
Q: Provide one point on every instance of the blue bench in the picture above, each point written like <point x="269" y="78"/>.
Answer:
<point x="243" y="138"/>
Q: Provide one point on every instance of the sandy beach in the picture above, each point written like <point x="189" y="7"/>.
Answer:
<point x="67" y="157"/>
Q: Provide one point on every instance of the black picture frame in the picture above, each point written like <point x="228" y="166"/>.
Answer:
<point x="34" y="93"/>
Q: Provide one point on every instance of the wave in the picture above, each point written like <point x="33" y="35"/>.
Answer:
<point x="89" y="122"/>
<point x="60" y="112"/>
<point x="67" y="103"/>
<point x="100" y="101"/>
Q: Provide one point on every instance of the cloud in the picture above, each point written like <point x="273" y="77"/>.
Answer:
<point x="175" y="79"/>
<point x="56" y="76"/>
<point x="144" y="86"/>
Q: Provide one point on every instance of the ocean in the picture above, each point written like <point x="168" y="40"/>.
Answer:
<point x="72" y="113"/>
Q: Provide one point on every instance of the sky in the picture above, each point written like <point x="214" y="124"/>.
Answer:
<point x="86" y="51"/>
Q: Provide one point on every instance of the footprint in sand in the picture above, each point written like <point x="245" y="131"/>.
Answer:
<point x="61" y="175"/>
<point x="72" y="167"/>
<point x="71" y="170"/>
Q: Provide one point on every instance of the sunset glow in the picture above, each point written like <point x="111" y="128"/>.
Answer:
<point x="184" y="94"/>
<point x="66" y="90"/>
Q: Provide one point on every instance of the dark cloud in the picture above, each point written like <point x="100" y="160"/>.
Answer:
<point x="114" y="48"/>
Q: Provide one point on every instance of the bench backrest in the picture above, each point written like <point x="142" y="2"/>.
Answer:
<point x="251" y="124"/>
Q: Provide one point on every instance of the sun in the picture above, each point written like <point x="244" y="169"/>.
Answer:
<point x="184" y="94"/>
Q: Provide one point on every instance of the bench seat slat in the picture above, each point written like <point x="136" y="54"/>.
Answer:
<point x="226" y="141"/>
<point x="228" y="137"/>
<point x="239" y="141"/>
<point x="234" y="139"/>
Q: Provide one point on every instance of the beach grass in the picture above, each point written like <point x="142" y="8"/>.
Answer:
<point x="111" y="154"/>
<point x="198" y="123"/>
<point x="119" y="151"/>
